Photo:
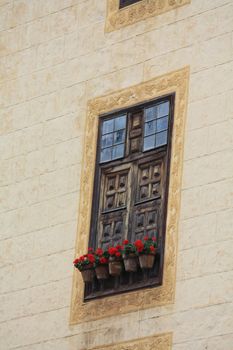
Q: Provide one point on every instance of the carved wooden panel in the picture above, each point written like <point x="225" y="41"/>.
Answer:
<point x="135" y="133"/>
<point x="115" y="191"/>
<point x="112" y="228"/>
<point x="149" y="181"/>
<point x="113" y="205"/>
<point x="146" y="222"/>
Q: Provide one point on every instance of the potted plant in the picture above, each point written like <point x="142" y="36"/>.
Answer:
<point x="130" y="256"/>
<point x="146" y="250"/>
<point x="101" y="264"/>
<point x="115" y="260"/>
<point x="85" y="264"/>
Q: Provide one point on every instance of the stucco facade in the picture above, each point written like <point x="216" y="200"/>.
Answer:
<point x="55" y="57"/>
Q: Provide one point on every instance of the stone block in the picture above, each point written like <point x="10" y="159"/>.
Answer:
<point x="204" y="291"/>
<point x="37" y="272"/>
<point x="208" y="169"/>
<point x="90" y="11"/>
<point x="35" y="300"/>
<point x="209" y="111"/>
<point x="35" y="329"/>
<point x="205" y="260"/>
<point x="220" y="137"/>
<point x="50" y="53"/>
<point x="197" y="231"/>
<point x="62" y="155"/>
<point x="114" y="81"/>
<point x="224" y="225"/>
<point x="196" y="143"/>
<point x="61" y="129"/>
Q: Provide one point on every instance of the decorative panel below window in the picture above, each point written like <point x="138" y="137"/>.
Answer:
<point x="131" y="189"/>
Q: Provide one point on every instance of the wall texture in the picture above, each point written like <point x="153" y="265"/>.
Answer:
<point x="54" y="57"/>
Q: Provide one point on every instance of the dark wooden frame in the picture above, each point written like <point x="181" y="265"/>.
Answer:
<point x="149" y="155"/>
<point x="124" y="3"/>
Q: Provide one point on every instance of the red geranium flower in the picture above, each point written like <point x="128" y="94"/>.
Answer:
<point x="154" y="239"/>
<point x="118" y="247"/>
<point x="118" y="254"/>
<point x="76" y="261"/>
<point x="112" y="251"/>
<point x="125" y="241"/>
<point x="152" y="248"/>
<point x="139" y="245"/>
<point x="103" y="260"/>
<point x="99" y="251"/>
<point x="146" y="238"/>
<point x="91" y="258"/>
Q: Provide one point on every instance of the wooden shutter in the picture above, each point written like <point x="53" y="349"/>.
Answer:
<point x="131" y="185"/>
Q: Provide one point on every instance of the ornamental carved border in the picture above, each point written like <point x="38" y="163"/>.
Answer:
<point x="174" y="82"/>
<point x="158" y="342"/>
<point x="118" y="18"/>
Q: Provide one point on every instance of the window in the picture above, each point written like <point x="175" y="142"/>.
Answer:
<point x="131" y="187"/>
<point x="124" y="3"/>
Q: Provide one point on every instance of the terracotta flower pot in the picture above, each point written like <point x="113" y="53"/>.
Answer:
<point x="88" y="275"/>
<point x="130" y="262"/>
<point x="102" y="272"/>
<point x="146" y="261"/>
<point x="115" y="266"/>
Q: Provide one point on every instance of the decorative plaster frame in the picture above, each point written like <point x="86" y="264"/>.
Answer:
<point x="174" y="82"/>
<point x="118" y="18"/>
<point x="158" y="342"/>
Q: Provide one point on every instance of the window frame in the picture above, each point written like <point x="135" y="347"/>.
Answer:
<point x="177" y="82"/>
<point x="127" y="3"/>
<point x="162" y="152"/>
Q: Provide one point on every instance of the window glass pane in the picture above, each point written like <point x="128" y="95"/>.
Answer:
<point x="150" y="127"/>
<point x="161" y="139"/>
<point x="106" y="140"/>
<point x="163" y="109"/>
<point x="120" y="122"/>
<point x="162" y="124"/>
<point x="108" y="126"/>
<point x="149" y="142"/>
<point x="150" y="113"/>
<point x="119" y="136"/>
<point x="106" y="154"/>
<point x="118" y="151"/>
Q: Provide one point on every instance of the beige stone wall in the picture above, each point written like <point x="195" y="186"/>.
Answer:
<point x="54" y="57"/>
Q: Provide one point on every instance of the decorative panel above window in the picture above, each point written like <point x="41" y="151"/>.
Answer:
<point x="121" y="13"/>
<point x="131" y="187"/>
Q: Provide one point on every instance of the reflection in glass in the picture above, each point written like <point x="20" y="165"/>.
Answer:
<point x="162" y="124"/>
<point x="106" y="140"/>
<point x="105" y="155"/>
<point x="149" y="142"/>
<point x="108" y="126"/>
<point x="161" y="138"/>
<point x="163" y="109"/>
<point x="118" y="151"/>
<point x="119" y="136"/>
<point x="150" y="113"/>
<point x="120" y="123"/>
<point x="150" y="127"/>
